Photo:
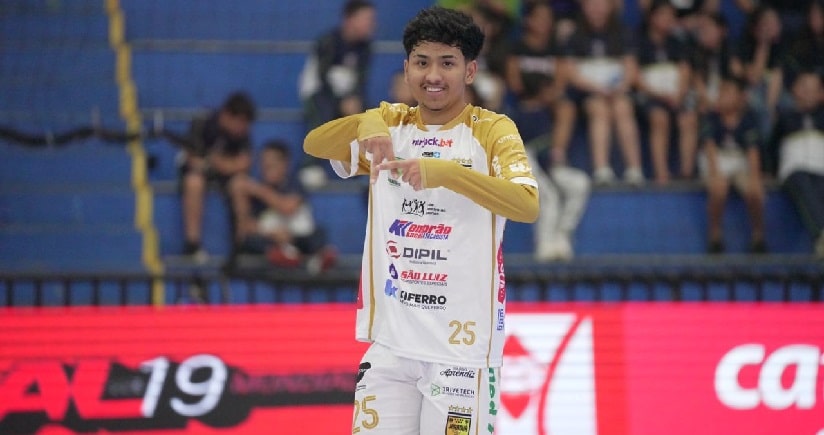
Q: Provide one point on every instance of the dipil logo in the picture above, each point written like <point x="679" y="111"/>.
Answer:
<point x="432" y="142"/>
<point x="776" y="386"/>
<point x="548" y="376"/>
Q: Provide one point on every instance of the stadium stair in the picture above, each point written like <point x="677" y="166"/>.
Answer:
<point x="64" y="208"/>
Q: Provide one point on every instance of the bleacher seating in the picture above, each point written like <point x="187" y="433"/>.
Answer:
<point x="73" y="207"/>
<point x="62" y="208"/>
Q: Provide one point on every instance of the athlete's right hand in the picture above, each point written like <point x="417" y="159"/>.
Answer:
<point x="381" y="149"/>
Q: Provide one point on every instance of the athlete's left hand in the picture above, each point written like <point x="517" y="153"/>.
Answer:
<point x="410" y="171"/>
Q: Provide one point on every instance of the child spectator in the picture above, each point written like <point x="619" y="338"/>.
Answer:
<point x="800" y="135"/>
<point x="712" y="60"/>
<point x="490" y="85"/>
<point x="806" y="52"/>
<point x="603" y="67"/>
<point x="219" y="152"/>
<point x="275" y="218"/>
<point x="663" y="85"/>
<point x="760" y="54"/>
<point x="731" y="155"/>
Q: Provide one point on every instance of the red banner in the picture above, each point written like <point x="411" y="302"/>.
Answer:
<point x="608" y="369"/>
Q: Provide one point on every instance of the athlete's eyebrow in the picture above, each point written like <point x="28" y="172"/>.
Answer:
<point x="426" y="56"/>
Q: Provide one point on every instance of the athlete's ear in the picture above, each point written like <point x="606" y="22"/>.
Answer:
<point x="471" y="69"/>
<point x="405" y="71"/>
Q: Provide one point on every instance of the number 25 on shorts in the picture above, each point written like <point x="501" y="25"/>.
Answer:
<point x="464" y="333"/>
<point x="370" y="419"/>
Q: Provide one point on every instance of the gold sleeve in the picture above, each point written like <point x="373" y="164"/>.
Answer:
<point x="334" y="139"/>
<point x="518" y="202"/>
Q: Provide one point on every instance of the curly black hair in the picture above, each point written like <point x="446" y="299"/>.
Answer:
<point x="446" y="26"/>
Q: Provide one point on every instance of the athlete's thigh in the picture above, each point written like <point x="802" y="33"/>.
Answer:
<point x="459" y="401"/>
<point x="387" y="400"/>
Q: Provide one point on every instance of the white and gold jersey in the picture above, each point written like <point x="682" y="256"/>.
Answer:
<point x="432" y="280"/>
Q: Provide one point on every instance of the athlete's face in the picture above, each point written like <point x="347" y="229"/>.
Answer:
<point x="438" y="75"/>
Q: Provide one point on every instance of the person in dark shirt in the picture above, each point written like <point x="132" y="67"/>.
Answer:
<point x="799" y="142"/>
<point x="333" y="80"/>
<point x="760" y="54"/>
<point x="806" y="51"/>
<point x="732" y="140"/>
<point x="274" y="217"/>
<point x="218" y="153"/>
<point x="663" y="83"/>
<point x="712" y="59"/>
<point x="603" y="65"/>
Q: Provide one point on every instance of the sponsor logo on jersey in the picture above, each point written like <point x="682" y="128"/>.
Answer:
<point x="417" y="207"/>
<point x="411" y="230"/>
<point x="507" y="138"/>
<point x="465" y="162"/>
<point x="431" y="154"/>
<point x="423" y="255"/>
<point x="432" y="142"/>
<point x="493" y="401"/>
<point x="392" y="249"/>
<point x="458" y="421"/>
<point x="414" y="207"/>
<point x="501" y="316"/>
<point x="520" y="167"/>
<point x="422" y="301"/>
<point x="501" y="275"/>
<point x="423" y="278"/>
<point x="393" y="271"/>
<point x="461" y="372"/>
<point x="362" y="368"/>
<point x="390" y="289"/>
<point x="446" y="390"/>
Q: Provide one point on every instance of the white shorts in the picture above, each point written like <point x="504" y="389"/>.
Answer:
<point x="401" y="396"/>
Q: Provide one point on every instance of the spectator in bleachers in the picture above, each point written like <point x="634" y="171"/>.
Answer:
<point x="760" y="54"/>
<point x="806" y="51"/>
<point x="490" y="84"/>
<point x="333" y="80"/>
<point x="535" y="78"/>
<point x="732" y="140"/>
<point x="603" y="68"/>
<point x="664" y="85"/>
<point x="790" y="12"/>
<point x="712" y="59"/>
<point x="800" y="141"/>
<point x="688" y="13"/>
<point x="274" y="217"/>
<point x="218" y="153"/>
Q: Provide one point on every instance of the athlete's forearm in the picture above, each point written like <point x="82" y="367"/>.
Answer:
<point x="332" y="140"/>
<point x="514" y="201"/>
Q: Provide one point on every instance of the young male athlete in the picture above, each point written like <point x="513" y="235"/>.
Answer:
<point x="445" y="177"/>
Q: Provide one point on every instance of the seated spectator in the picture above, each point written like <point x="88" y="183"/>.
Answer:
<point x="489" y="85"/>
<point x="687" y="12"/>
<point x="664" y="85"/>
<point x="603" y="68"/>
<point x="800" y="137"/>
<point x="534" y="77"/>
<point x="274" y="218"/>
<point x="760" y="54"/>
<point x="333" y="81"/>
<point x="712" y="59"/>
<point x="732" y="140"/>
<point x="806" y="51"/>
<point x="219" y="153"/>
